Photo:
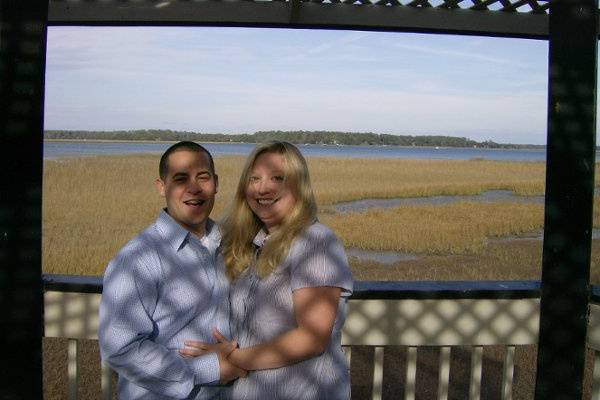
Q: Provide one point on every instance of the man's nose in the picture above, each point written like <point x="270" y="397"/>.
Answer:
<point x="194" y="187"/>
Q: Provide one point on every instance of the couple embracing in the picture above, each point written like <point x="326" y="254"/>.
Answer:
<point x="251" y="308"/>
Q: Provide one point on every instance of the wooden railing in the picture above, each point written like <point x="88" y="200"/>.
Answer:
<point x="404" y="340"/>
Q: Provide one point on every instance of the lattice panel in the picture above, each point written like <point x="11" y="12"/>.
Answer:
<point x="445" y="16"/>
<point x="521" y="6"/>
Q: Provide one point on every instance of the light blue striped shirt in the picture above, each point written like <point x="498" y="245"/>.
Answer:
<point x="262" y="309"/>
<point x="165" y="286"/>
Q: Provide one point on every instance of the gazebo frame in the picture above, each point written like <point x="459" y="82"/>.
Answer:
<point x="570" y="26"/>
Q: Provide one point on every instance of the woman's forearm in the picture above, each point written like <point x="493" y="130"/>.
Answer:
<point x="314" y="310"/>
<point x="291" y="347"/>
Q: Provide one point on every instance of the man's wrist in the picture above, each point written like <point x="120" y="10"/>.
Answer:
<point x="206" y="369"/>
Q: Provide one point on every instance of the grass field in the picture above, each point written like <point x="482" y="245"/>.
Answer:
<point x="92" y="206"/>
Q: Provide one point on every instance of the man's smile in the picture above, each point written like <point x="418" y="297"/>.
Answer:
<point x="194" y="202"/>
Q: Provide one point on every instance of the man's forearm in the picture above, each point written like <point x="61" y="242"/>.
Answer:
<point x="159" y="370"/>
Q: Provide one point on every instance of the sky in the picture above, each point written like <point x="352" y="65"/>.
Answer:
<point x="243" y="80"/>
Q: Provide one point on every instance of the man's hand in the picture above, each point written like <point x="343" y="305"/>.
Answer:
<point x="223" y="346"/>
<point x="227" y="371"/>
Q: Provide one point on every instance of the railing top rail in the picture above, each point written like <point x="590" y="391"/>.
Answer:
<point x="72" y="283"/>
<point x="423" y="290"/>
<point x="368" y="290"/>
<point x="363" y="290"/>
<point x="595" y="294"/>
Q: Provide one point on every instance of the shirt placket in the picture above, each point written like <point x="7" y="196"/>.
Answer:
<point x="205" y="261"/>
<point x="249" y="300"/>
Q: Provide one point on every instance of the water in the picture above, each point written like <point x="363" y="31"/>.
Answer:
<point x="393" y="257"/>
<point x="383" y="257"/>
<point x="77" y="149"/>
<point x="488" y="196"/>
<point x="81" y="149"/>
<point x="538" y="235"/>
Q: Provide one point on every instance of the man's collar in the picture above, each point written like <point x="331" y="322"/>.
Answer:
<point x="212" y="236"/>
<point x="171" y="231"/>
<point x="176" y="235"/>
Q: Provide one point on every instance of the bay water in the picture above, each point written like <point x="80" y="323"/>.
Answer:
<point x="53" y="150"/>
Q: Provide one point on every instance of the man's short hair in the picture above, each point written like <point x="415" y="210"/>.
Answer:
<point x="163" y="166"/>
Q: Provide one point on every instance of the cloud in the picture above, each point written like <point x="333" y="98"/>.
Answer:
<point x="241" y="80"/>
<point x="464" y="55"/>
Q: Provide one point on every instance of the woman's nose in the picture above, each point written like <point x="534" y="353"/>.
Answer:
<point x="264" y="186"/>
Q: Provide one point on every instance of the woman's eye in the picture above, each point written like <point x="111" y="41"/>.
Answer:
<point x="253" y="179"/>
<point x="278" y="178"/>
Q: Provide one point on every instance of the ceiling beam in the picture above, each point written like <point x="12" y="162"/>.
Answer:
<point x="296" y="14"/>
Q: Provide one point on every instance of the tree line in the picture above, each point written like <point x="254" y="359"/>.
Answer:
<point x="298" y="137"/>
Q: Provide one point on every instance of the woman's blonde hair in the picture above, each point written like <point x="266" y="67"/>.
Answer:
<point x="240" y="225"/>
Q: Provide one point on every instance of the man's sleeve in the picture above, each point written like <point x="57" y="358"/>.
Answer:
<point x="127" y="330"/>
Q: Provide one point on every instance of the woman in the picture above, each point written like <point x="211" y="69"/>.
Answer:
<point x="290" y="284"/>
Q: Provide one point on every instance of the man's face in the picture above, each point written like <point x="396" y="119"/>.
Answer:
<point x="189" y="189"/>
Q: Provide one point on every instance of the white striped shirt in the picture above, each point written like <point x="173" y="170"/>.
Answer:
<point x="165" y="286"/>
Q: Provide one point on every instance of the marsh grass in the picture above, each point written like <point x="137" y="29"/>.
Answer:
<point x="506" y="260"/>
<point x="457" y="228"/>
<point x="93" y="206"/>
<point x="509" y="260"/>
<point x="338" y="180"/>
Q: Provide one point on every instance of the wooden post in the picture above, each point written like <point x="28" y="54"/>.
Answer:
<point x="22" y="69"/>
<point x="569" y="198"/>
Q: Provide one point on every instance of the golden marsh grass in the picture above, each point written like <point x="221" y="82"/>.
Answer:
<point x="336" y="180"/>
<point x="457" y="228"/>
<point x="93" y="206"/>
<point x="499" y="260"/>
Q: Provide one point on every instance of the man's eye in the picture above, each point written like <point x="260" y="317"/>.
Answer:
<point x="204" y="178"/>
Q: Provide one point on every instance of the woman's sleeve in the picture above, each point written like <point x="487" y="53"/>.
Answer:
<point x="318" y="259"/>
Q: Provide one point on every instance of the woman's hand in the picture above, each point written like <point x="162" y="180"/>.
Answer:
<point x="223" y="347"/>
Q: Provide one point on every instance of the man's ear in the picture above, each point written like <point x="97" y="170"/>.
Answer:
<point x="216" y="183"/>
<point x="160" y="186"/>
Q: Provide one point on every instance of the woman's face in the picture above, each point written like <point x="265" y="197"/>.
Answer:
<point x="267" y="191"/>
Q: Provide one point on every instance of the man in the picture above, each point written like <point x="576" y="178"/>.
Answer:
<point x="168" y="285"/>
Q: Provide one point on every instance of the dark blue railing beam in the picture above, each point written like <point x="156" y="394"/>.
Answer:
<point x="367" y="290"/>
<point x="442" y="290"/>
<point x="72" y="283"/>
<point x="363" y="290"/>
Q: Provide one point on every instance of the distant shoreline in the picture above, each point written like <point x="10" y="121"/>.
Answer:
<point x="307" y="144"/>
<point x="124" y="141"/>
<point x="326" y="138"/>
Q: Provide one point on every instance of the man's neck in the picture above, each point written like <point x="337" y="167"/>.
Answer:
<point x="199" y="231"/>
